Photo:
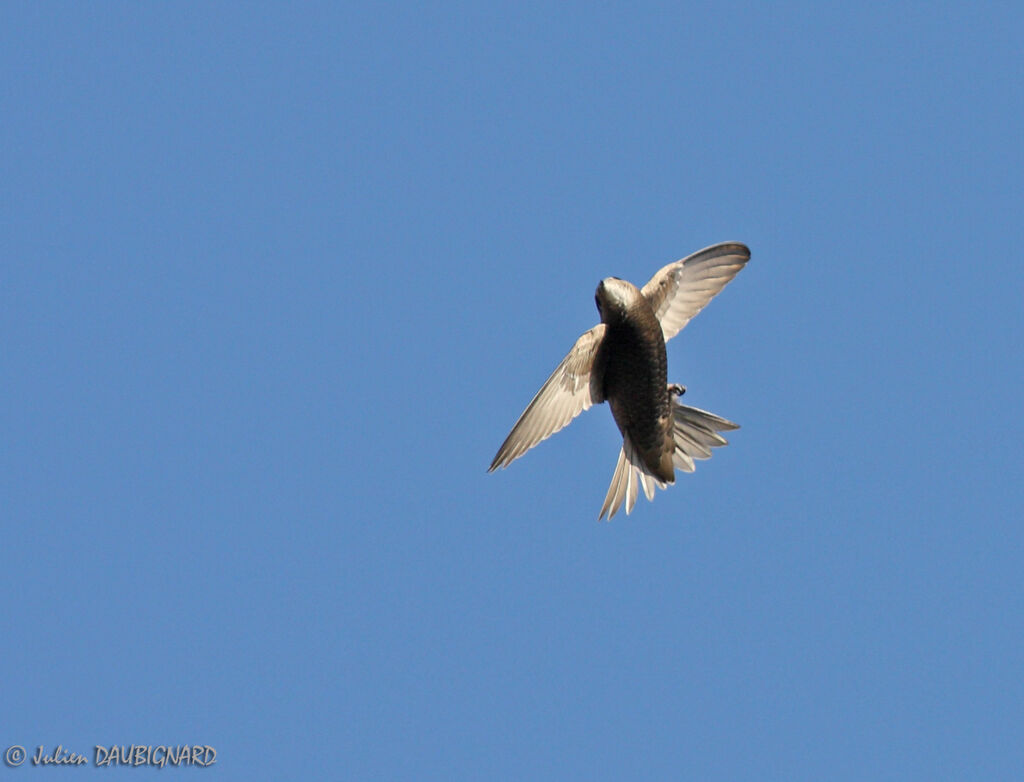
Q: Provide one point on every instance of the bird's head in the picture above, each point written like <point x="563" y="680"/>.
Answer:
<point x="615" y="297"/>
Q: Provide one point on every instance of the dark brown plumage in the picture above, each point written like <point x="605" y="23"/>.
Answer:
<point x="632" y="356"/>
<point x="623" y="360"/>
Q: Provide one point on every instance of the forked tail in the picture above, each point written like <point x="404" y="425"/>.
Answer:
<point x="695" y="433"/>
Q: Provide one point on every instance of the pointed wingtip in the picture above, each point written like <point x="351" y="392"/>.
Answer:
<point x="737" y="248"/>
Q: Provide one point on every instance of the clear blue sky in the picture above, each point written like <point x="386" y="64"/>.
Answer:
<point x="277" y="281"/>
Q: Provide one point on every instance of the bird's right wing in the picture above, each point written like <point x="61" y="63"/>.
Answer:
<point x="682" y="289"/>
<point x="565" y="395"/>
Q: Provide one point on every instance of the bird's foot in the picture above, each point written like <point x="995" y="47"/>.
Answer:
<point x="676" y="390"/>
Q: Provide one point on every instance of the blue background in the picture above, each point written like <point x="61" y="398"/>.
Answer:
<point x="277" y="281"/>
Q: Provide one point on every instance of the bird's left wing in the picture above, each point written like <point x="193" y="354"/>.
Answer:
<point x="682" y="289"/>
<point x="565" y="395"/>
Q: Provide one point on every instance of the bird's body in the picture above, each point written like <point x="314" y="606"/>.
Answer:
<point x="634" y="374"/>
<point x="623" y="361"/>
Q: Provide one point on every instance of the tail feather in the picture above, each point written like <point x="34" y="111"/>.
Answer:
<point x="629" y="476"/>
<point x="695" y="433"/>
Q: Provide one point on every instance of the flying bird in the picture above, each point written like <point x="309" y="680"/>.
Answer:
<point x="622" y="361"/>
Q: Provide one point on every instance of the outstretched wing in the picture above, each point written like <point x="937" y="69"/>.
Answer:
<point x="564" y="396"/>
<point x="682" y="289"/>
